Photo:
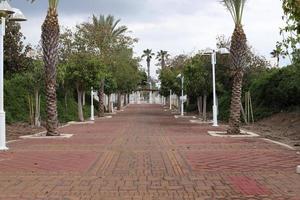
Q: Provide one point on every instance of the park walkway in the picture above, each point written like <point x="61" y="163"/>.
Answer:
<point x="145" y="153"/>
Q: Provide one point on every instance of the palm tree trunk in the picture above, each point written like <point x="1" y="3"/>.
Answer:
<point x="235" y="107"/>
<point x="50" y="37"/>
<point x="101" y="99"/>
<point x="238" y="54"/>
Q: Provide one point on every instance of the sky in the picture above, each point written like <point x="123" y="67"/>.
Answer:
<point x="177" y="26"/>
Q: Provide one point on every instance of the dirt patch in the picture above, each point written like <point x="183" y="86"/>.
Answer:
<point x="282" y="127"/>
<point x="14" y="131"/>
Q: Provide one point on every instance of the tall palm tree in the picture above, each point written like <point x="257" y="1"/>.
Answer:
<point x="276" y="53"/>
<point x="50" y="37"/>
<point x="149" y="55"/>
<point x="102" y="33"/>
<point x="161" y="57"/>
<point x="238" y="57"/>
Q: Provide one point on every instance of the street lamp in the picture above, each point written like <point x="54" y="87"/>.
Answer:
<point x="182" y="98"/>
<point x="213" y="54"/>
<point x="92" y="104"/>
<point x="12" y="14"/>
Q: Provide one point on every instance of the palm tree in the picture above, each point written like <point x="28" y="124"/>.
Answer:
<point x="50" y="38"/>
<point x="238" y="57"/>
<point x="149" y="55"/>
<point x="102" y="33"/>
<point x="276" y="53"/>
<point x="161" y="57"/>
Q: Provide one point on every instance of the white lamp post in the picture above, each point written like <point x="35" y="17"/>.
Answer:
<point x="92" y="104"/>
<point x="214" y="62"/>
<point x="12" y="14"/>
<point x="170" y="100"/>
<point x="182" y="97"/>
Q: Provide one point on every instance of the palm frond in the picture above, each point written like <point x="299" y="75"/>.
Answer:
<point x="236" y="9"/>
<point x="53" y="4"/>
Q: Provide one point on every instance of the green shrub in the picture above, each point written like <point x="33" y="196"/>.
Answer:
<point x="16" y="95"/>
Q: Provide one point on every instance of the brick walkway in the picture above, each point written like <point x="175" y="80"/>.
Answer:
<point x="145" y="153"/>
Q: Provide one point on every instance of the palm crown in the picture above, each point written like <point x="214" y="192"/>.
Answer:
<point x="162" y="55"/>
<point x="236" y="9"/>
<point x="148" y="54"/>
<point x="103" y="30"/>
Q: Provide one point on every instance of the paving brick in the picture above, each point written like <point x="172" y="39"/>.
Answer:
<point x="146" y="154"/>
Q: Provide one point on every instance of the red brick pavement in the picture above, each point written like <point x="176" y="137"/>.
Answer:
<point x="145" y="153"/>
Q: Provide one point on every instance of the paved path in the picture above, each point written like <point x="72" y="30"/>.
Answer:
<point x="145" y="153"/>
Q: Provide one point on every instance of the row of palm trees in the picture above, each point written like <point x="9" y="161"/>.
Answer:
<point x="161" y="56"/>
<point x="50" y="38"/>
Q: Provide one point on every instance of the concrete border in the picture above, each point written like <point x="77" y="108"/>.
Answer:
<point x="80" y="123"/>
<point x="105" y="117"/>
<point x="246" y="134"/>
<point x="199" y="121"/>
<point x="42" y="136"/>
<point x="279" y="143"/>
<point x="184" y="117"/>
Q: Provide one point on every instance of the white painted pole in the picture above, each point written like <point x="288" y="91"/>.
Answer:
<point x="2" y="113"/>
<point x="92" y="104"/>
<point x="182" y="103"/>
<point x="215" y="109"/>
<point x="170" y="99"/>
<point x="150" y="94"/>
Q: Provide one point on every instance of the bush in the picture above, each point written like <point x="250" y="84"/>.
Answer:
<point x="16" y="95"/>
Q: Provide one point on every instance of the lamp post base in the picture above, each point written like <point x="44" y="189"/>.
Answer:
<point x="2" y="132"/>
<point x="215" y="117"/>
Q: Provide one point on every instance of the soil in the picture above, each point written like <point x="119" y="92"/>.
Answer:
<point x="14" y="131"/>
<point x="282" y="127"/>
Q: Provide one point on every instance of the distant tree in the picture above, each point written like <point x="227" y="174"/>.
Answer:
<point x="110" y="87"/>
<point x="162" y="56"/>
<point x="82" y="71"/>
<point x="102" y="33"/>
<point x="15" y="53"/>
<point x="148" y="54"/>
<point x="35" y="82"/>
<point x="198" y="81"/>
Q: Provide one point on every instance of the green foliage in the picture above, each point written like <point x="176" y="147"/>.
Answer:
<point x="83" y="71"/>
<point x="289" y="46"/>
<point x="16" y="99"/>
<point x="281" y="86"/>
<point x="197" y="72"/>
<point x="16" y="92"/>
<point x="169" y="81"/>
<point x="15" y="51"/>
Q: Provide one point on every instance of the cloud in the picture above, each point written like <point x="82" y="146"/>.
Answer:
<point x="179" y="26"/>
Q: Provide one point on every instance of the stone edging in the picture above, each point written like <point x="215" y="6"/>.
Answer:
<point x="41" y="136"/>
<point x="279" y="143"/>
<point x="179" y="116"/>
<point x="246" y="134"/>
<point x="201" y="122"/>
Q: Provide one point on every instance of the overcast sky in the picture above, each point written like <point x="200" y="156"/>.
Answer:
<point x="178" y="26"/>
